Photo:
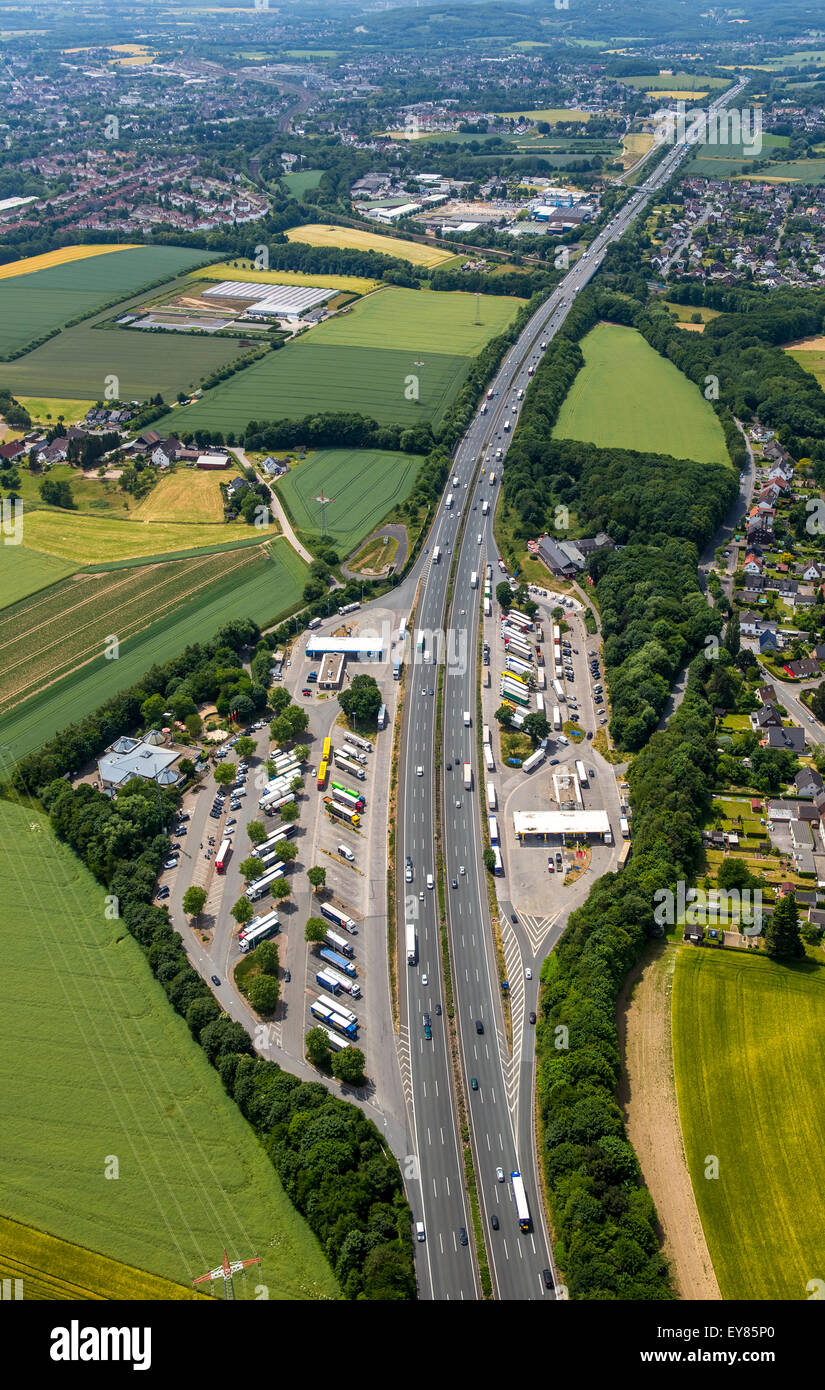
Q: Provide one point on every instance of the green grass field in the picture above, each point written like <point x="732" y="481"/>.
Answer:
<point x="95" y="1063"/>
<point x="31" y="305"/>
<point x="302" y="181"/>
<point x="628" y="397"/>
<point x="677" y="81"/>
<point x="747" y="1043"/>
<point x="365" y="484"/>
<point x="421" y="323"/>
<point x="266" y="591"/>
<point x="308" y="376"/>
<point x="24" y="571"/>
<point x="722" y="161"/>
<point x="95" y="496"/>
<point x="813" y="362"/>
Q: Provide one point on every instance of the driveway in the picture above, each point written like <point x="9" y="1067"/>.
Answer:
<point x="277" y="507"/>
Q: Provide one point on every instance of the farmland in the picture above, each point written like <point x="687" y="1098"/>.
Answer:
<point x="24" y="571"/>
<point x="302" y="181"/>
<point x="308" y="376"/>
<point x="188" y="495"/>
<point x="46" y="410"/>
<point x="746" y="1042"/>
<point x="681" y="82"/>
<point x="53" y="632"/>
<point x="55" y="1269"/>
<point x="724" y="161"/>
<point x="366" y="485"/>
<point x="628" y="397"/>
<point x="812" y="361"/>
<point x="64" y="256"/>
<point x="551" y="114"/>
<point x="415" y="320"/>
<point x="352" y="237"/>
<point x="361" y="361"/>
<point x="263" y="591"/>
<point x="43" y="300"/>
<point x="193" y="1177"/>
<point x="87" y="540"/>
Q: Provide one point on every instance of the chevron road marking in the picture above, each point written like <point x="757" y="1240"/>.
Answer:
<point x="537" y="928"/>
<point x="405" y="1064"/>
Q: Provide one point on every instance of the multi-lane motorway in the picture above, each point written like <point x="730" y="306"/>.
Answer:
<point x="501" y="1121"/>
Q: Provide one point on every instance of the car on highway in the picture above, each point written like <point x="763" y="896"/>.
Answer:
<point x="494" y="1221"/>
<point x="287" y="976"/>
<point x="473" y="1083"/>
<point x="425" y="979"/>
<point x="454" y="882"/>
<point x="428" y="1031"/>
<point x="419" y="771"/>
<point x="431" y="691"/>
<point x="500" y="1175"/>
<point x="438" y="1010"/>
<point x="423" y="690"/>
<point x="514" y="917"/>
<point x="215" y="980"/>
<point x="419" y="1230"/>
<point x="461" y="869"/>
<point x="532" y="1016"/>
<point x="479" y="1026"/>
<point x="458" y="805"/>
<point x="548" y="1278"/>
<point x="408" y="873"/>
<point x="462" y="1236"/>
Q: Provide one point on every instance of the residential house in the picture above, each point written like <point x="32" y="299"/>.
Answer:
<point x="750" y="623"/>
<point x="812" y="573"/>
<point x="767" y="694"/>
<point x="754" y="564"/>
<point x="9" y="452"/>
<point x="767" y="718"/>
<point x="235" y="487"/>
<point x="769" y="640"/>
<point x="808" y="782"/>
<point x="802" y="670"/>
<point x="793" y="740"/>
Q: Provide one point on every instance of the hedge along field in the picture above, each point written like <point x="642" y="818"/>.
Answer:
<point x="86" y="540"/>
<point x="627" y="396"/>
<point x="266" y="593"/>
<point x="24" y="571"/>
<point x="353" y="238"/>
<point x="32" y="304"/>
<point x="310" y="376"/>
<point x="365" y="484"/>
<point x="747" y="1044"/>
<point x="421" y="322"/>
<point x="55" y="632"/>
<point x="87" y="1032"/>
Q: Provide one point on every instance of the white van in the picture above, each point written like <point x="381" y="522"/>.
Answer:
<point x="430" y="881"/>
<point x="346" y="853"/>
<point x="466" y="719"/>
<point x="419" y="1230"/>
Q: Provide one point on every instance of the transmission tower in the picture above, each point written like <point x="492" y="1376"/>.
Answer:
<point x="324" y="501"/>
<point x="224" y="1271"/>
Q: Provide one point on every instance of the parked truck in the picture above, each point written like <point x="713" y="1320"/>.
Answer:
<point x="412" y="947"/>
<point x="491" y="797"/>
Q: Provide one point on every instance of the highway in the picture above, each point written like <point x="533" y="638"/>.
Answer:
<point x="501" y="1120"/>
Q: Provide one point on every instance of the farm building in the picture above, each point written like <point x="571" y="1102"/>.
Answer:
<point x="213" y="460"/>
<point x="272" y="301"/>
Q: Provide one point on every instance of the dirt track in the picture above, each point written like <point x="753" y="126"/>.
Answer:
<point x="647" y="1095"/>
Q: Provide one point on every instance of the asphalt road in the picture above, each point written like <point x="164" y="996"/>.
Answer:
<point x="446" y="1267"/>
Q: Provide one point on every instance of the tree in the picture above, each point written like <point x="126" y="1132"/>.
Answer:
<point x="56" y="494"/>
<point x="362" y="700"/>
<point x="289" y="812"/>
<point x="152" y="711"/>
<point x="263" y="993"/>
<point x="818" y="702"/>
<point x="734" y="873"/>
<point x="243" y="911"/>
<point x="731" y="639"/>
<point x="318" y="1050"/>
<point x="315" y="929"/>
<point x="296" y="785"/>
<point x="251" y="868"/>
<point x="186" y="766"/>
<point x="489" y="860"/>
<point x="225" y="774"/>
<point x="256" y="831"/>
<point x="504" y="716"/>
<point x="536" y="727"/>
<point x="287" y="851"/>
<point x="302" y="752"/>
<point x="782" y="939"/>
<point x="504" y="596"/>
<point x="267" y="958"/>
<point x="193" y="901"/>
<point x="348" y="1066"/>
<point x="245" y="747"/>
<point x="317" y="877"/>
<point x="280" y="889"/>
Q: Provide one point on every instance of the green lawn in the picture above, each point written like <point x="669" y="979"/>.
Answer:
<point x="628" y="397"/>
<point x="309" y="376"/>
<point x="365" y="484"/>
<point x="24" y="571"/>
<point x="95" y="1067"/>
<point x="301" y="182"/>
<point x="747" y="1045"/>
<point x="31" y="305"/>
<point x="270" y="589"/>
<point x="421" y="323"/>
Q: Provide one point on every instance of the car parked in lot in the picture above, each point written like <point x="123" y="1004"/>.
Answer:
<point x="171" y="863"/>
<point x="306" y="693"/>
<point x="163" y="892"/>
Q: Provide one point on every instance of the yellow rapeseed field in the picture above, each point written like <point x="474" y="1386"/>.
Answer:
<point x="61" y="257"/>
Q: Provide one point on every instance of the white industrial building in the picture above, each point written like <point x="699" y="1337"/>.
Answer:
<point x="541" y="824"/>
<point x="272" y="300"/>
